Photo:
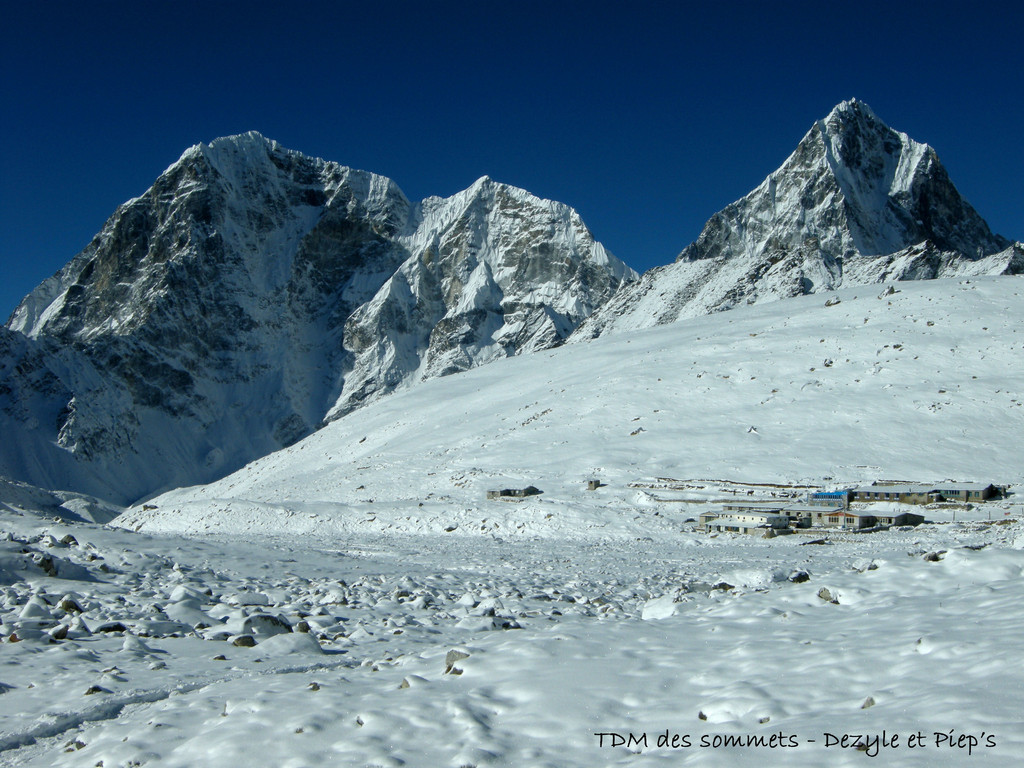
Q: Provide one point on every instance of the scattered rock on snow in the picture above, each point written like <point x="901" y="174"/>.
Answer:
<point x="265" y="624"/>
<point x="825" y="594"/>
<point x="291" y="643"/>
<point x="249" y="598"/>
<point x="451" y="658"/>
<point x="111" y="626"/>
<point x="69" y="604"/>
<point x="660" y="607"/>
<point x="413" y="681"/>
<point x="477" y="623"/>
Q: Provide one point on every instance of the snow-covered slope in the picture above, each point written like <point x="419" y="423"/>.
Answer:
<point x="251" y="292"/>
<point x="920" y="382"/>
<point x="856" y="203"/>
<point x="354" y="599"/>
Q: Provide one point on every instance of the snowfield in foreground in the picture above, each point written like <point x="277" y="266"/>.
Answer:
<point x="547" y="644"/>
<point x="308" y="610"/>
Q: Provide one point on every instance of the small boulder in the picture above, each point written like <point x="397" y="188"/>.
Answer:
<point x="266" y="625"/>
<point x="825" y="594"/>
<point x="111" y="626"/>
<point x="68" y="604"/>
<point x="451" y="658"/>
<point x="413" y="681"/>
<point x="291" y="643"/>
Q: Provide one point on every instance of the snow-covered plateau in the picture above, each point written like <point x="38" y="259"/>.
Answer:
<point x="356" y="599"/>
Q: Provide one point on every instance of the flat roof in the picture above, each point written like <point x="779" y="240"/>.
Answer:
<point x="922" y="488"/>
<point x="753" y="513"/>
<point x="739" y="523"/>
<point x="756" y="505"/>
<point x="822" y="508"/>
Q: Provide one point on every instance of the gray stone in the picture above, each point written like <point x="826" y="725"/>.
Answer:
<point x="451" y="658"/>
<point x="825" y="594"/>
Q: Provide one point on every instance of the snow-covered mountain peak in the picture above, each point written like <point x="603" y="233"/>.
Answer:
<point x="252" y="291"/>
<point x="250" y="146"/>
<point x="247" y="139"/>
<point x="856" y="202"/>
<point x="854" y="109"/>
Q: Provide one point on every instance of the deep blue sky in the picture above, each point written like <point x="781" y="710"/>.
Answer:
<point x="647" y="118"/>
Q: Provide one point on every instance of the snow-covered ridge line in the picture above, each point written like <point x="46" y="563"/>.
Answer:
<point x="856" y="203"/>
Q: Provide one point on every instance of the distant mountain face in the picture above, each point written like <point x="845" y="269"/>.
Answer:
<point x="253" y="292"/>
<point x="856" y="203"/>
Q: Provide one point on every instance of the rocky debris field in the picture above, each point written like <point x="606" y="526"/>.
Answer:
<point x="129" y="649"/>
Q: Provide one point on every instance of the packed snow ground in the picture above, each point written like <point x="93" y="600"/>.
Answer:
<point x="563" y="640"/>
<point x="474" y="632"/>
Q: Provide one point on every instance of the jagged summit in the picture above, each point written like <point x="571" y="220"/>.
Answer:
<point x="252" y="292"/>
<point x="856" y="202"/>
<point x="248" y="138"/>
<point x="250" y="143"/>
<point x="852" y="106"/>
<point x="856" y="187"/>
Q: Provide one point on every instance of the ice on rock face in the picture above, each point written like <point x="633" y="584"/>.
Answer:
<point x="252" y="292"/>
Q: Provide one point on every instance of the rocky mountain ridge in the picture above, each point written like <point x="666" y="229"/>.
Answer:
<point x="252" y="292"/>
<point x="856" y="203"/>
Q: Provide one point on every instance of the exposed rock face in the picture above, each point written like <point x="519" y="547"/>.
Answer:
<point x="491" y="272"/>
<point x="856" y="203"/>
<point x="252" y="291"/>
